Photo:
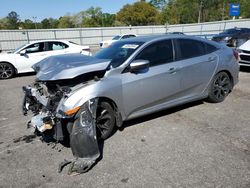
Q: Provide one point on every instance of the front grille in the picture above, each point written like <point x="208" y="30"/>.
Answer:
<point x="246" y="52"/>
<point x="241" y="62"/>
<point x="245" y="57"/>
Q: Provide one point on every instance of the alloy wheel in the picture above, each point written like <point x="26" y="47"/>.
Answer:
<point x="105" y="121"/>
<point x="6" y="71"/>
<point x="221" y="86"/>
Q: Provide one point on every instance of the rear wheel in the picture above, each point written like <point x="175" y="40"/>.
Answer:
<point x="219" y="88"/>
<point x="105" y="120"/>
<point x="6" y="71"/>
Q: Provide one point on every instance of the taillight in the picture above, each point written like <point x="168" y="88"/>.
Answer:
<point x="236" y="54"/>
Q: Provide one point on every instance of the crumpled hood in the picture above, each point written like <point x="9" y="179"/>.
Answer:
<point x="68" y="66"/>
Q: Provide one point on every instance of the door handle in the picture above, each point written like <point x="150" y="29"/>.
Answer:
<point x="211" y="59"/>
<point x="173" y="70"/>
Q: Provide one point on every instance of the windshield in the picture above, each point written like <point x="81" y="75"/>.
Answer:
<point x="118" y="52"/>
<point x="116" y="37"/>
<point x="17" y="49"/>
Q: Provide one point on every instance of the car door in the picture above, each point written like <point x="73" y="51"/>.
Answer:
<point x="198" y="64"/>
<point x="154" y="87"/>
<point x="33" y="54"/>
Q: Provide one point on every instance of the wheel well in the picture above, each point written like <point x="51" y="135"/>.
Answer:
<point x="11" y="65"/>
<point x="115" y="108"/>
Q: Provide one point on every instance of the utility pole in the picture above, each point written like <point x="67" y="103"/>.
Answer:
<point x="223" y="11"/>
<point x="200" y="9"/>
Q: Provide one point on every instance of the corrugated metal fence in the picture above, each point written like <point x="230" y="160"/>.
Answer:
<point x="11" y="39"/>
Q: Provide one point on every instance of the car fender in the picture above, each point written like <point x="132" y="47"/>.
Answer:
<point x="5" y="58"/>
<point x="94" y="89"/>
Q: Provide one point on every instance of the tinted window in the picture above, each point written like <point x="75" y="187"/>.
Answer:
<point x="157" y="53"/>
<point x="246" y="30"/>
<point x="56" y="46"/>
<point x="232" y="31"/>
<point x="116" y="37"/>
<point x="188" y="48"/>
<point x="125" y="36"/>
<point x="209" y="48"/>
<point x="37" y="47"/>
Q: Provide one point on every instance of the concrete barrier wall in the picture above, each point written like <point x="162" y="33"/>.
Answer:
<point x="11" y="39"/>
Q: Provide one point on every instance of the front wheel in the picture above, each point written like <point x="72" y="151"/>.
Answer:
<point x="219" y="88"/>
<point x="6" y="71"/>
<point x="105" y="120"/>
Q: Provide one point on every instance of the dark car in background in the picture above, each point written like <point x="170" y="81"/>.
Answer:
<point x="233" y="37"/>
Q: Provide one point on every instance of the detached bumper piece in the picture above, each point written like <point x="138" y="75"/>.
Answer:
<point x="83" y="140"/>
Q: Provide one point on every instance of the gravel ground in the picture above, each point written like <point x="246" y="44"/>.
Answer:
<point x="194" y="145"/>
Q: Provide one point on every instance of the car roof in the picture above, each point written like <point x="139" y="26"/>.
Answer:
<point x="148" y="38"/>
<point x="48" y="40"/>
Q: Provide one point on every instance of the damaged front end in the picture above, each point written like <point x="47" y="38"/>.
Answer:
<point x="43" y="100"/>
<point x="43" y="104"/>
<point x="59" y="115"/>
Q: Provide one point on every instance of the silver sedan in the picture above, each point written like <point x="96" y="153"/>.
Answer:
<point x="131" y="78"/>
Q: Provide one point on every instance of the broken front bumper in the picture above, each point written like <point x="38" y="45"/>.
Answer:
<point x="83" y="140"/>
<point x="43" y="118"/>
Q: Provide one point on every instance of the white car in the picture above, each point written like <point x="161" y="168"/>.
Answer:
<point x="22" y="59"/>
<point x="106" y="43"/>
<point x="244" y="54"/>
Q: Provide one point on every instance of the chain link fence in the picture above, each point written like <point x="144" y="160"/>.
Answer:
<point x="11" y="39"/>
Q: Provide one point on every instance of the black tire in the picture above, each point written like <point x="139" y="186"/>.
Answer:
<point x="105" y="120"/>
<point x="219" y="88"/>
<point x="6" y="71"/>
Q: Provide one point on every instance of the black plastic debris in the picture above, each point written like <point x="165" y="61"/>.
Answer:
<point x="83" y="140"/>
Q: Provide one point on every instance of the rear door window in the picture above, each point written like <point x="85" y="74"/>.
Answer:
<point x="209" y="48"/>
<point x="187" y="48"/>
<point x="52" y="46"/>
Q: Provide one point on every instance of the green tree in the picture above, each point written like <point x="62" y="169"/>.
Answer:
<point x="45" y="23"/>
<point x="187" y="11"/>
<point x="3" y="23"/>
<point x="139" y="13"/>
<point x="13" y="20"/>
<point x="27" y="24"/>
<point x="108" y="19"/>
<point x="65" y="22"/>
<point x="92" y="17"/>
<point x="180" y="11"/>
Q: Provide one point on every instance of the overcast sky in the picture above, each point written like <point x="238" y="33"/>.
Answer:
<point x="56" y="8"/>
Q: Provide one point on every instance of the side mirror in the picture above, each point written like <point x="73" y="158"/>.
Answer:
<point x="22" y="53"/>
<point x="139" y="66"/>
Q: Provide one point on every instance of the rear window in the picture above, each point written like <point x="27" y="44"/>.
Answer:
<point x="209" y="48"/>
<point x="188" y="48"/>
